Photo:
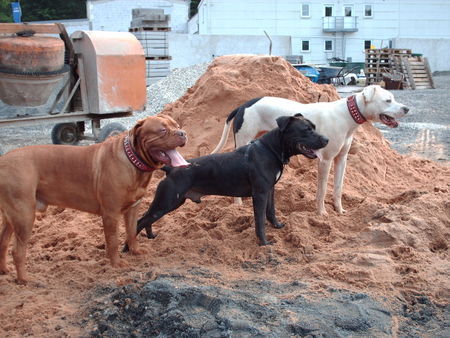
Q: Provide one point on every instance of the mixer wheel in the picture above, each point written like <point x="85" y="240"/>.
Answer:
<point x="66" y="133"/>
<point x="111" y="129"/>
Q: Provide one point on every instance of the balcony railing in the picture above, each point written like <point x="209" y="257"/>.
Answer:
<point x="335" y="24"/>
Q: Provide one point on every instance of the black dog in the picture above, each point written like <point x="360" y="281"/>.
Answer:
<point x="251" y="170"/>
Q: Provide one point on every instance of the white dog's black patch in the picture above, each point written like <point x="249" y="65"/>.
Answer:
<point x="238" y="114"/>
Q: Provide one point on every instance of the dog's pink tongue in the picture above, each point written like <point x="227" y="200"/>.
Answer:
<point x="176" y="160"/>
<point x="318" y="154"/>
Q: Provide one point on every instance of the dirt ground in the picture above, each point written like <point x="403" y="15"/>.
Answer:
<point x="391" y="244"/>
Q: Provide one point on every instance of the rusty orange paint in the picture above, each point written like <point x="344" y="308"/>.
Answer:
<point x="114" y="70"/>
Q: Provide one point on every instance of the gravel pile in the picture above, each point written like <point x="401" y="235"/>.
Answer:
<point x="172" y="87"/>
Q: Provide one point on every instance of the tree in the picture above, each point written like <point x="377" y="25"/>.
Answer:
<point x="193" y="8"/>
<point x="42" y="10"/>
<point x="5" y="11"/>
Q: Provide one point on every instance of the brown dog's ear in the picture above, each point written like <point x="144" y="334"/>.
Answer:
<point x="283" y="122"/>
<point x="134" y="131"/>
<point x="138" y="124"/>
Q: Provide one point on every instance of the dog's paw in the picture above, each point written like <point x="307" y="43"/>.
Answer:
<point x="339" y="209"/>
<point x="119" y="264"/>
<point x="322" y="212"/>
<point x="4" y="270"/>
<point x="264" y="243"/>
<point x="151" y="235"/>
<point x="138" y="252"/>
<point x="22" y="281"/>
<point x="278" y="225"/>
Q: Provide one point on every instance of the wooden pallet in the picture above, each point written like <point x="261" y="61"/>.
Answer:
<point x="155" y="29"/>
<point x="419" y="73"/>
<point x="379" y="61"/>
<point x="399" y="63"/>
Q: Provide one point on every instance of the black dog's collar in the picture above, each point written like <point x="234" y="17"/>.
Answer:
<point x="267" y="149"/>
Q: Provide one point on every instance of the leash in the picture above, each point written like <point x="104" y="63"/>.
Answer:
<point x="256" y="143"/>
<point x="133" y="157"/>
<point x="355" y="113"/>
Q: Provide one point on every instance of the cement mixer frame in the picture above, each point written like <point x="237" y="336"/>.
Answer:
<point x="106" y="80"/>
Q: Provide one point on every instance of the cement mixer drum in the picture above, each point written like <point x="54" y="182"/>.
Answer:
<point x="30" y="67"/>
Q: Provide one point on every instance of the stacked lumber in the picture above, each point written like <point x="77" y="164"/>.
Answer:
<point x="400" y="64"/>
<point x="151" y="27"/>
<point x="379" y="61"/>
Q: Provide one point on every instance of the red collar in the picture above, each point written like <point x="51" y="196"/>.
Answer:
<point x="354" y="110"/>
<point x="133" y="157"/>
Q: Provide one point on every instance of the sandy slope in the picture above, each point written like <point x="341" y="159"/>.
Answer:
<point x="393" y="240"/>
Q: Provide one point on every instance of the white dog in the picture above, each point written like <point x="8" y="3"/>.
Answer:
<point x="335" y="120"/>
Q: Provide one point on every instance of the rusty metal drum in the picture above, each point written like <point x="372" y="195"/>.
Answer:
<point x="30" y="67"/>
<point x="31" y="53"/>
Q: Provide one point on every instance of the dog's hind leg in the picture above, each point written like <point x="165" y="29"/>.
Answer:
<point x="323" y="172"/>
<point x="157" y="210"/>
<point x="270" y="211"/>
<point x="5" y="237"/>
<point x="168" y="197"/>
<point x="340" y="162"/>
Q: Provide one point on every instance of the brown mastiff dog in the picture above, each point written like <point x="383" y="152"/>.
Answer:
<point x="107" y="179"/>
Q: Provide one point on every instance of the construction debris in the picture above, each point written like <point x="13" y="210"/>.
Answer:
<point x="398" y="68"/>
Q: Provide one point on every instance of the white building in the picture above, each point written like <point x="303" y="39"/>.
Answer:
<point x="317" y="30"/>
<point x="115" y="15"/>
<point x="320" y="30"/>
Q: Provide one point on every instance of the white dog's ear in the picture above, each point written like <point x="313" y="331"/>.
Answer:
<point x="369" y="92"/>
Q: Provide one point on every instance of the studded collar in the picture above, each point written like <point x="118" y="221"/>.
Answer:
<point x="354" y="111"/>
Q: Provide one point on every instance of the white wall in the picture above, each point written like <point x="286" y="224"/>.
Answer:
<point x="115" y="15"/>
<point x="392" y="19"/>
<point x="187" y="49"/>
<point x="71" y="25"/>
<point x="436" y="51"/>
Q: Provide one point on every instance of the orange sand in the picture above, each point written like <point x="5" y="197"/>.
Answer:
<point x="393" y="240"/>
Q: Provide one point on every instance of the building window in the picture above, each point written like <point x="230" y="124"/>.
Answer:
<point x="305" y="11"/>
<point x="367" y="44"/>
<point x="348" y="10"/>
<point x="305" y="46"/>
<point x="368" y="11"/>
<point x="328" y="10"/>
<point x="328" y="45"/>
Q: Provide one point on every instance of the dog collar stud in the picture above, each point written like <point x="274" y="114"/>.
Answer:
<point x="133" y="157"/>
<point x="355" y="113"/>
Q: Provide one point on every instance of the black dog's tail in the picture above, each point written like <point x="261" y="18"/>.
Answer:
<point x="239" y="114"/>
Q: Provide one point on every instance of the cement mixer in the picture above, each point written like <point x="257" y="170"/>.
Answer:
<point x="45" y="75"/>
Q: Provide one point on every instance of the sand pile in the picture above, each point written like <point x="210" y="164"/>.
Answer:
<point x="395" y="234"/>
<point x="393" y="240"/>
<point x="232" y="80"/>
